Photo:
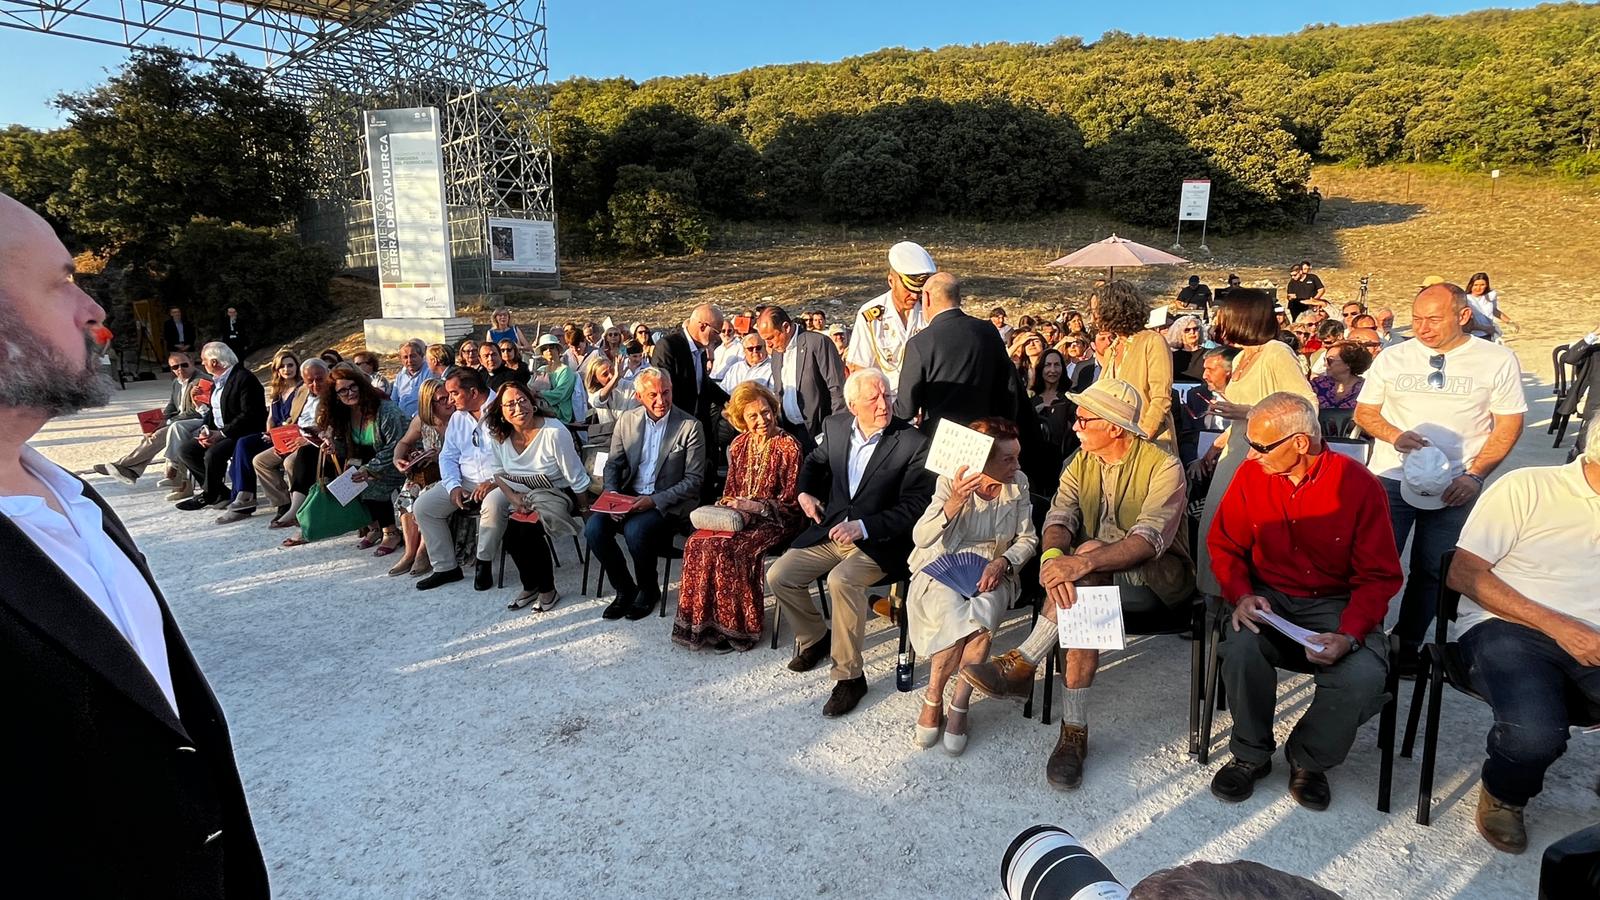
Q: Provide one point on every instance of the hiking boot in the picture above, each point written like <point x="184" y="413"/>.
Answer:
<point x="1064" y="769"/>
<point x="1501" y="823"/>
<point x="1006" y="675"/>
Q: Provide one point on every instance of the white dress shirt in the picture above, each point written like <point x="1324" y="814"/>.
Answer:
<point x="698" y="352"/>
<point x="79" y="545"/>
<point x="791" y="385"/>
<point x="655" y="430"/>
<point x="856" y="460"/>
<point x="467" y="456"/>
<point x="725" y="357"/>
<point x="308" y="413"/>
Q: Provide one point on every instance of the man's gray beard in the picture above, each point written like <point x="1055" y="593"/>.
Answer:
<point x="38" y="377"/>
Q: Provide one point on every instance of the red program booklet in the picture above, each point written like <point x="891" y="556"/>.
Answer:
<point x="284" y="437"/>
<point x="612" y="502"/>
<point x="202" y="392"/>
<point x="151" y="420"/>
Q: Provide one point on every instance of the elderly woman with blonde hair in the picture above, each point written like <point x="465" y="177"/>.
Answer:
<point x="720" y="597"/>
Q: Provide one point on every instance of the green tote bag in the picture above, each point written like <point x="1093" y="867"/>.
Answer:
<point x="322" y="516"/>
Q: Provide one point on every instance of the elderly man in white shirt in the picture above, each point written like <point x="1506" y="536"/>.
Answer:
<point x="1529" y="626"/>
<point x="467" y="470"/>
<point x="754" y="365"/>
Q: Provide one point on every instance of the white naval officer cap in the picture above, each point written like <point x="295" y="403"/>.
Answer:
<point x="908" y="258"/>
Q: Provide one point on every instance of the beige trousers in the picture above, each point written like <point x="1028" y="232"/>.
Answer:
<point x="433" y="510"/>
<point x="272" y="479"/>
<point x="850" y="572"/>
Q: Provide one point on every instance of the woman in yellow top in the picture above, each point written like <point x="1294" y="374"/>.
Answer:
<point x="1138" y="356"/>
<point x="1264" y="366"/>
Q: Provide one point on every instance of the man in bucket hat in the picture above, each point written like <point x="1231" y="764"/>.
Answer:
<point x="1117" y="519"/>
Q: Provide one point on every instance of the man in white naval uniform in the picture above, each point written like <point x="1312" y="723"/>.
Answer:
<point x="886" y="322"/>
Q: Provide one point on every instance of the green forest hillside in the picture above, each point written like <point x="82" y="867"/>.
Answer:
<point x="1015" y="130"/>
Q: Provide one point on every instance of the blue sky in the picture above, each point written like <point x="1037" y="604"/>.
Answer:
<point x="645" y="38"/>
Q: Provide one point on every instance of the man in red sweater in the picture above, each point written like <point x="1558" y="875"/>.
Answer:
<point x="1303" y="534"/>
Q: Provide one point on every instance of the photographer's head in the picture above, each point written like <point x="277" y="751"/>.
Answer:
<point x="47" y="323"/>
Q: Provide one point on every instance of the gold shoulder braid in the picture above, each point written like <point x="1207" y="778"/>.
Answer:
<point x="873" y="313"/>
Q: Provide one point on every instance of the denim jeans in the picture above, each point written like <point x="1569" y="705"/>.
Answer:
<point x="1532" y="685"/>
<point x="645" y="533"/>
<point x="1437" y="531"/>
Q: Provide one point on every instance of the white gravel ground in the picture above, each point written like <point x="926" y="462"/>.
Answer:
<point x="404" y="744"/>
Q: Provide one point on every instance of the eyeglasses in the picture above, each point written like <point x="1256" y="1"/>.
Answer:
<point x="1370" y="344"/>
<point x="1192" y="329"/>
<point x="1081" y="423"/>
<point x="1264" y="449"/>
<point x="349" y="390"/>
<point x="1436" y="377"/>
<point x="514" y="402"/>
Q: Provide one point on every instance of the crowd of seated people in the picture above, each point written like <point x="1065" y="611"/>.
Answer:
<point x="759" y="446"/>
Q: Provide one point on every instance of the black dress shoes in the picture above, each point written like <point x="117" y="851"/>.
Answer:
<point x="198" y="501"/>
<point x="484" y="579"/>
<point x="846" y="694"/>
<point x="807" y="659"/>
<point x="1236" y="781"/>
<point x="445" y="576"/>
<point x="642" y="606"/>
<point x="1309" y="789"/>
<point x="619" y="607"/>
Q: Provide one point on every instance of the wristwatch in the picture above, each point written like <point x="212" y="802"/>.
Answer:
<point x="1354" y="644"/>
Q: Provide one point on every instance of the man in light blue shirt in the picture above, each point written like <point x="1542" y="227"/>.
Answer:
<point x="408" y="381"/>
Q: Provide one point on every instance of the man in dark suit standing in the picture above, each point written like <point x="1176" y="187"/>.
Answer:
<point x="238" y="407"/>
<point x="119" y="769"/>
<point x="685" y="355"/>
<point x="807" y="374"/>
<point x="177" y="333"/>
<point x="863" y="488"/>
<point x="957" y="367"/>
<point x="232" y="332"/>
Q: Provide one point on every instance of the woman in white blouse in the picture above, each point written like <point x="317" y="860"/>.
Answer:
<point x="538" y="468"/>
<point x="987" y="513"/>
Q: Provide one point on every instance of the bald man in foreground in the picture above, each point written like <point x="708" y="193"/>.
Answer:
<point x="117" y="768"/>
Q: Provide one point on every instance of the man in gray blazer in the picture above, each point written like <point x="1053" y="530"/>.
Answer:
<point x="180" y="408"/>
<point x="658" y="457"/>
<point x="807" y="373"/>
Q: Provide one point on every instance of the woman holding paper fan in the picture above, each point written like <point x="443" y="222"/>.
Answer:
<point x="987" y="514"/>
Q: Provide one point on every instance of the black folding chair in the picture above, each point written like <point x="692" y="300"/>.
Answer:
<point x="1442" y="665"/>
<point x="1193" y="625"/>
<point x="1386" y="719"/>
<point x="1559" y="422"/>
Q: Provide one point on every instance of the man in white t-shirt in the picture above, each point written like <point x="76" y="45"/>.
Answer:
<point x="1530" y="634"/>
<point x="1448" y="390"/>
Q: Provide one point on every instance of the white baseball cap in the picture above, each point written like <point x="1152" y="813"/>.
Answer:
<point x="1426" y="474"/>
<point x="909" y="258"/>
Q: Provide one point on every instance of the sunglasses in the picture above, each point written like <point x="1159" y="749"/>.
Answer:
<point x="1264" y="449"/>
<point x="181" y="366"/>
<point x="1436" y="377"/>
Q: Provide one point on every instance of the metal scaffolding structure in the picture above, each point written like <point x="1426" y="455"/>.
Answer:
<point x="340" y="57"/>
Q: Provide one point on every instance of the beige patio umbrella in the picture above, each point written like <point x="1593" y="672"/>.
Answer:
<point x="1115" y="252"/>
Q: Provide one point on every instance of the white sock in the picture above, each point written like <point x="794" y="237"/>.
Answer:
<point x="1042" y="640"/>
<point x="1075" y="706"/>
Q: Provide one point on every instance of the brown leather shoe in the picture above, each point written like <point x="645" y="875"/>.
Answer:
<point x="806" y="659"/>
<point x="1309" y="789"/>
<point x="1500" y="823"/>
<point x="846" y="694"/>
<point x="1065" y="767"/>
<point x="1006" y="675"/>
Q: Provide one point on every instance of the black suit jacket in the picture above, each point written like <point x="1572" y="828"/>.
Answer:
<point x="169" y="334"/>
<point x="895" y="488"/>
<point x="242" y="407"/>
<point x="110" y="793"/>
<point x="957" y="368"/>
<point x="820" y="372"/>
<point x="232" y="334"/>
<point x="673" y="354"/>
